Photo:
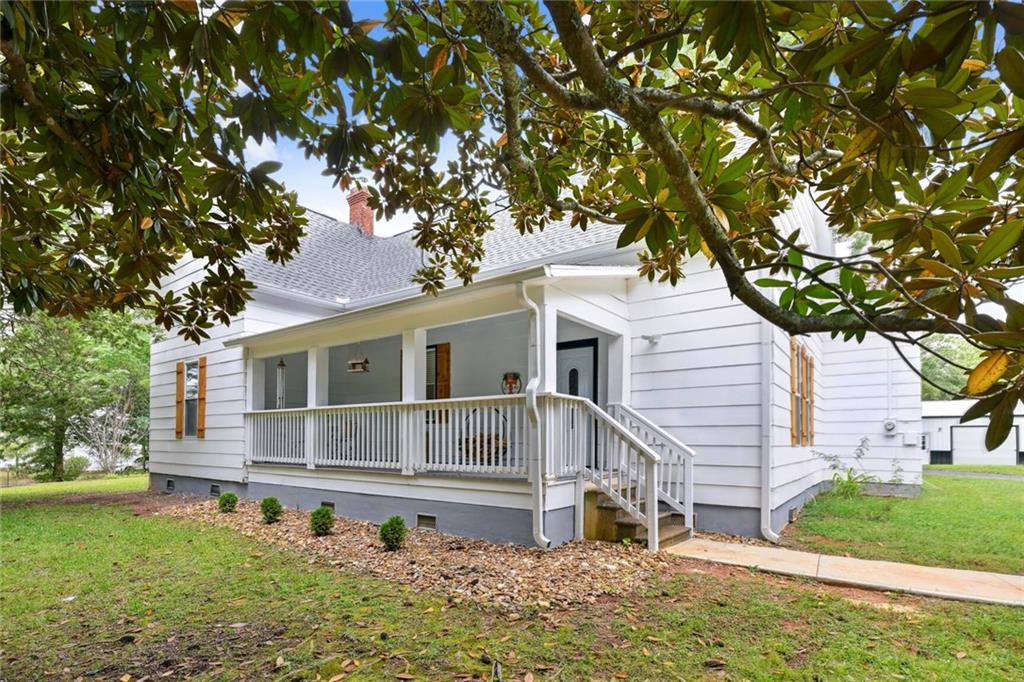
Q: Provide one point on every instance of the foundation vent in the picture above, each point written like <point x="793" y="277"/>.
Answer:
<point x="169" y="485"/>
<point x="329" y="505"/>
<point x="214" y="490"/>
<point x="428" y="521"/>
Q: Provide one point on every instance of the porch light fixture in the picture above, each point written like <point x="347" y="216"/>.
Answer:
<point x="359" y="365"/>
<point x="651" y="338"/>
<point x="280" y="383"/>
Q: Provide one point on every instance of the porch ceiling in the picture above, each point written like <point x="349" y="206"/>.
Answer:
<point x="410" y="309"/>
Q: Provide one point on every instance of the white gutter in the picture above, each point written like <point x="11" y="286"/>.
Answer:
<point x="534" y="415"/>
<point x="767" y="367"/>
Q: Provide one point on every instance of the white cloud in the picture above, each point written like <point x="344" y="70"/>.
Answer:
<point x="256" y="153"/>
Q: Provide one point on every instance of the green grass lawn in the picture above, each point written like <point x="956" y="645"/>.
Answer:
<point x="971" y="523"/>
<point x="114" y="484"/>
<point x="1010" y="469"/>
<point x="103" y="593"/>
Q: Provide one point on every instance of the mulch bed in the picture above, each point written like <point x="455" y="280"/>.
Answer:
<point x="509" y="578"/>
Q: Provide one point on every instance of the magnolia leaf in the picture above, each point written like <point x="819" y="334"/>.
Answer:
<point x="1000" y="422"/>
<point x="860" y="143"/>
<point x="1001" y="240"/>
<point x="988" y="372"/>
<point x="999" y="153"/>
<point x="1011" y="69"/>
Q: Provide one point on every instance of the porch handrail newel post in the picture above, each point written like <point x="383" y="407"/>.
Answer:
<point x="652" y="504"/>
<point x="309" y="429"/>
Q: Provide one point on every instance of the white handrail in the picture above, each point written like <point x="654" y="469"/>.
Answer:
<point x="675" y="492"/>
<point x="583" y="437"/>
<point x="478" y="435"/>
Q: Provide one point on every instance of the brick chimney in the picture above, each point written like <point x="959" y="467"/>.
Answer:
<point x="359" y="211"/>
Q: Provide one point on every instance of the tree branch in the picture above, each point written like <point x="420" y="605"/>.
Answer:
<point x="644" y="118"/>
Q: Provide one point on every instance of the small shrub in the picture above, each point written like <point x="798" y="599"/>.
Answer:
<point x="75" y="466"/>
<point x="321" y="521"/>
<point x="849" y="486"/>
<point x="392" y="533"/>
<point x="271" y="509"/>
<point x="227" y="502"/>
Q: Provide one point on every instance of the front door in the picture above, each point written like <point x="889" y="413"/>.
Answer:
<point x="577" y="375"/>
<point x="577" y="368"/>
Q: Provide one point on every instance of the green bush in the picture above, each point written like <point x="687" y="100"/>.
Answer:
<point x="271" y="509"/>
<point x="392" y="533"/>
<point x="75" y="466"/>
<point x="321" y="521"/>
<point x="227" y="502"/>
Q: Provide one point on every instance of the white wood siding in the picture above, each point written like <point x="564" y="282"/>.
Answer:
<point x="701" y="379"/>
<point x="220" y="455"/>
<point x="857" y="388"/>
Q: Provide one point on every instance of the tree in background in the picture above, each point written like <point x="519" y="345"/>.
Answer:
<point x="689" y="125"/>
<point x="56" y="373"/>
<point x="947" y="371"/>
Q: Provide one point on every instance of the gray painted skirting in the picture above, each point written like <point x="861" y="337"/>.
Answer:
<point x="497" y="524"/>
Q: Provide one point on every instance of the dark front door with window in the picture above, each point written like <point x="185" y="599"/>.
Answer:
<point x="577" y="368"/>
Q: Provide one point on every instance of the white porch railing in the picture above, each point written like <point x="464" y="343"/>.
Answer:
<point x="467" y="435"/>
<point x="675" y="475"/>
<point x="582" y="437"/>
<point x="627" y="457"/>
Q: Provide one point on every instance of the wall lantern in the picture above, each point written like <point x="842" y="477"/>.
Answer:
<point x="280" y="383"/>
<point x="358" y="365"/>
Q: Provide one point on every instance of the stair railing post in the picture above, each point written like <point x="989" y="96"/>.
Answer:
<point x="688" y="491"/>
<point x="652" y="504"/>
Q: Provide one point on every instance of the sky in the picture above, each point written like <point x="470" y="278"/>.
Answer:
<point x="303" y="176"/>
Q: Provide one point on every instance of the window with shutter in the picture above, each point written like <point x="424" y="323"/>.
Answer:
<point x="801" y="394"/>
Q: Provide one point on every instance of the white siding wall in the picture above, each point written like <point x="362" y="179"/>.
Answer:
<point x="220" y="455"/>
<point x="483" y="350"/>
<point x="858" y="387"/>
<point x="701" y="380"/>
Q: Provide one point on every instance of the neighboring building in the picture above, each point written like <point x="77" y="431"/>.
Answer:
<point x="947" y="441"/>
<point x="342" y="383"/>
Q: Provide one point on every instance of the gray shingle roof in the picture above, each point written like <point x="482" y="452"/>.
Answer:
<point x="337" y="260"/>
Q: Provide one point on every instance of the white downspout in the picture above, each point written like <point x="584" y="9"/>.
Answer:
<point x="534" y="415"/>
<point x="767" y="368"/>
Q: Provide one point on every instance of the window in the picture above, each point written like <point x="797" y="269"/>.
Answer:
<point x="801" y="394"/>
<point x="431" y="372"/>
<point x="192" y="398"/>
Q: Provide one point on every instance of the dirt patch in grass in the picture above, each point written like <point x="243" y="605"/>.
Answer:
<point x="142" y="503"/>
<point x="504" y="577"/>
<point x="182" y="654"/>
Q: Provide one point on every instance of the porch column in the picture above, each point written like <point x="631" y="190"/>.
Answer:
<point x="316" y="395"/>
<point x="548" y="352"/>
<point x="414" y="388"/>
<point x="254" y="378"/>
<point x="414" y="365"/>
<point x="619" y="369"/>
<point x="316" y="377"/>
<point x="547" y="373"/>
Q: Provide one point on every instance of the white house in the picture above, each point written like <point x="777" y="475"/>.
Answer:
<point x="487" y="410"/>
<point x="947" y="441"/>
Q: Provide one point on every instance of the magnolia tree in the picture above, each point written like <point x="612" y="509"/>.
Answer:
<point x="690" y="125"/>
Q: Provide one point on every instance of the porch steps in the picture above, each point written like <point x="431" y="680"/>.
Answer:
<point x="604" y="519"/>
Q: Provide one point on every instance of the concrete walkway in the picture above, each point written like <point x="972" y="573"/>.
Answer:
<point x="972" y="474"/>
<point x="946" y="583"/>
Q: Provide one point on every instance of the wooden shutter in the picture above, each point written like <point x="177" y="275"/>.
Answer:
<point x="201" y="402"/>
<point x="179" y="401"/>
<point x="794" y="435"/>
<point x="804" y="416"/>
<point x="443" y="371"/>
<point x="810" y="398"/>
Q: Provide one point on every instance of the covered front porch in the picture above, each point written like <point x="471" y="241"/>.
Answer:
<point x="514" y="382"/>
